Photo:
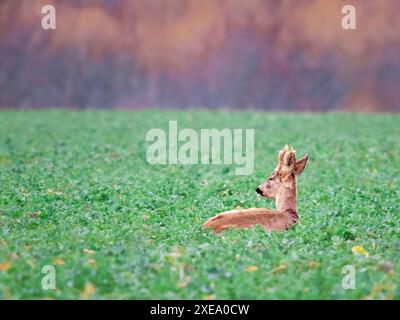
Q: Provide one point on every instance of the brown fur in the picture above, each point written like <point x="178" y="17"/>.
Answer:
<point x="281" y="187"/>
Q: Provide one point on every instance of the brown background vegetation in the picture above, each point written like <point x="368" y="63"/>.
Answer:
<point x="259" y="54"/>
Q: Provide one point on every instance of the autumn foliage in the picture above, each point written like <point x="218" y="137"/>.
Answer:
<point x="290" y="55"/>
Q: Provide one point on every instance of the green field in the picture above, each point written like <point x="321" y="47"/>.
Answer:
<point x="77" y="193"/>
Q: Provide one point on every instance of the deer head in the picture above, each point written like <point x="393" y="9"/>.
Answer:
<point x="282" y="181"/>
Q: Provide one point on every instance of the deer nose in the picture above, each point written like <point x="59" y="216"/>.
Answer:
<point x="258" y="190"/>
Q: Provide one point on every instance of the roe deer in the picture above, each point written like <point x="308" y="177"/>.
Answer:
<point x="281" y="187"/>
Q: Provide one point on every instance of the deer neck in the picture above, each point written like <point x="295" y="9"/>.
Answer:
<point x="286" y="196"/>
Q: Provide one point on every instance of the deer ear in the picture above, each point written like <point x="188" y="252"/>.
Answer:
<point x="301" y="164"/>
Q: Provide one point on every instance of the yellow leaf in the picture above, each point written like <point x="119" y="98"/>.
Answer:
<point x="360" y="250"/>
<point x="35" y="214"/>
<point x="251" y="269"/>
<point x="58" y="261"/>
<point x="280" y="268"/>
<point x="313" y="264"/>
<point x="5" y="266"/>
<point x="88" y="291"/>
<point x="209" y="297"/>
<point x="88" y="251"/>
<point x="57" y="193"/>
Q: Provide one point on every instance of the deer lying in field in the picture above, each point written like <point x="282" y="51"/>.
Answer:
<point x="281" y="187"/>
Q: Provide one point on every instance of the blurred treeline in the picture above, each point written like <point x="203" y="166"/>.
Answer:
<point x="259" y="54"/>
